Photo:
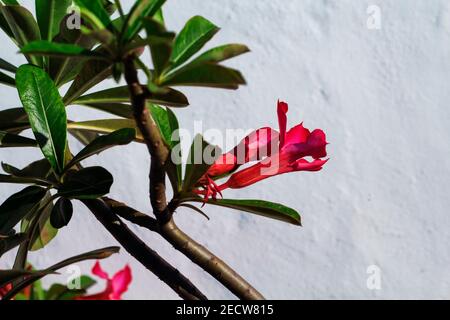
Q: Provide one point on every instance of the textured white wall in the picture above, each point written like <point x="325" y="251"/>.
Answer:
<point x="382" y="98"/>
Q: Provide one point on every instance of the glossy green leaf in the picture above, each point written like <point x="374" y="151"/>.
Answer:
<point x="8" y="276"/>
<point x="107" y="126"/>
<point x="168" y="125"/>
<point x="206" y="75"/>
<point x="49" y="15"/>
<point x="195" y="34"/>
<point x="201" y="156"/>
<point x="165" y="125"/>
<point x="47" y="48"/>
<point x="9" y="243"/>
<point x="102" y="143"/>
<point x="167" y="96"/>
<point x="5" y="65"/>
<point x="16" y="207"/>
<point x="62" y="213"/>
<point x="23" y="27"/>
<point x="45" y="232"/>
<point x="92" y="73"/>
<point x="87" y="183"/>
<point x="259" y="207"/>
<point x="8" y="140"/>
<point x="141" y="9"/>
<point x="220" y="54"/>
<point x="122" y="110"/>
<point x="40" y="171"/>
<point x="46" y="112"/>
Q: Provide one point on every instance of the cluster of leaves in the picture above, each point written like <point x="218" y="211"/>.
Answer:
<point x="79" y="59"/>
<point x="57" y="291"/>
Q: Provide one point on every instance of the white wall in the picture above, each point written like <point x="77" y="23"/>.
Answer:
<point x="382" y="98"/>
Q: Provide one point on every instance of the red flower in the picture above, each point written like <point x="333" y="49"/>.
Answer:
<point x="115" y="286"/>
<point x="292" y="147"/>
<point x="5" y="289"/>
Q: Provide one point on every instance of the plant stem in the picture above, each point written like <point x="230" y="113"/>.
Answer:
<point x="152" y="137"/>
<point x="141" y="252"/>
<point x="191" y="249"/>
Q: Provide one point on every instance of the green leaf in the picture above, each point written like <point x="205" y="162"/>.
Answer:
<point x="87" y="183"/>
<point x="39" y="171"/>
<point x="263" y="208"/>
<point x="16" y="207"/>
<point x="62" y="213"/>
<point x="95" y="7"/>
<point x="162" y="50"/>
<point x="102" y="143"/>
<point x="85" y="137"/>
<point x="220" y="54"/>
<point x="201" y="156"/>
<point x="16" y="180"/>
<point x="46" y="112"/>
<point x="107" y="126"/>
<point x="49" y="15"/>
<point x="23" y="27"/>
<point x="168" y="125"/>
<point x="9" y="243"/>
<point x="92" y="73"/>
<point x="167" y="96"/>
<point x="47" y="48"/>
<point x="62" y="70"/>
<point x="141" y="9"/>
<point x="5" y="65"/>
<point x="8" y="140"/>
<point x="10" y="275"/>
<point x="62" y="292"/>
<point x="12" y="115"/>
<point x="195" y="34"/>
<point x="14" y="120"/>
<point x="11" y="2"/>
<point x="122" y="110"/>
<point x="5" y="79"/>
<point x="44" y="232"/>
<point x="205" y="75"/>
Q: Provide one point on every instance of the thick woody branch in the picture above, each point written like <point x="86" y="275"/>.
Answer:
<point x="152" y="137"/>
<point x="191" y="249"/>
<point x="141" y="252"/>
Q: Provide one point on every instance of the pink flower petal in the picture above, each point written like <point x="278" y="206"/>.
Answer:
<point x="98" y="271"/>
<point x="120" y="282"/>
<point x="282" y="110"/>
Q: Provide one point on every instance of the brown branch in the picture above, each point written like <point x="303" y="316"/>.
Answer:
<point x="141" y="252"/>
<point x="191" y="249"/>
<point x="152" y="137"/>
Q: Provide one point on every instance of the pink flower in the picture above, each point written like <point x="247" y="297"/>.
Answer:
<point x="115" y="286"/>
<point x="288" y="152"/>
